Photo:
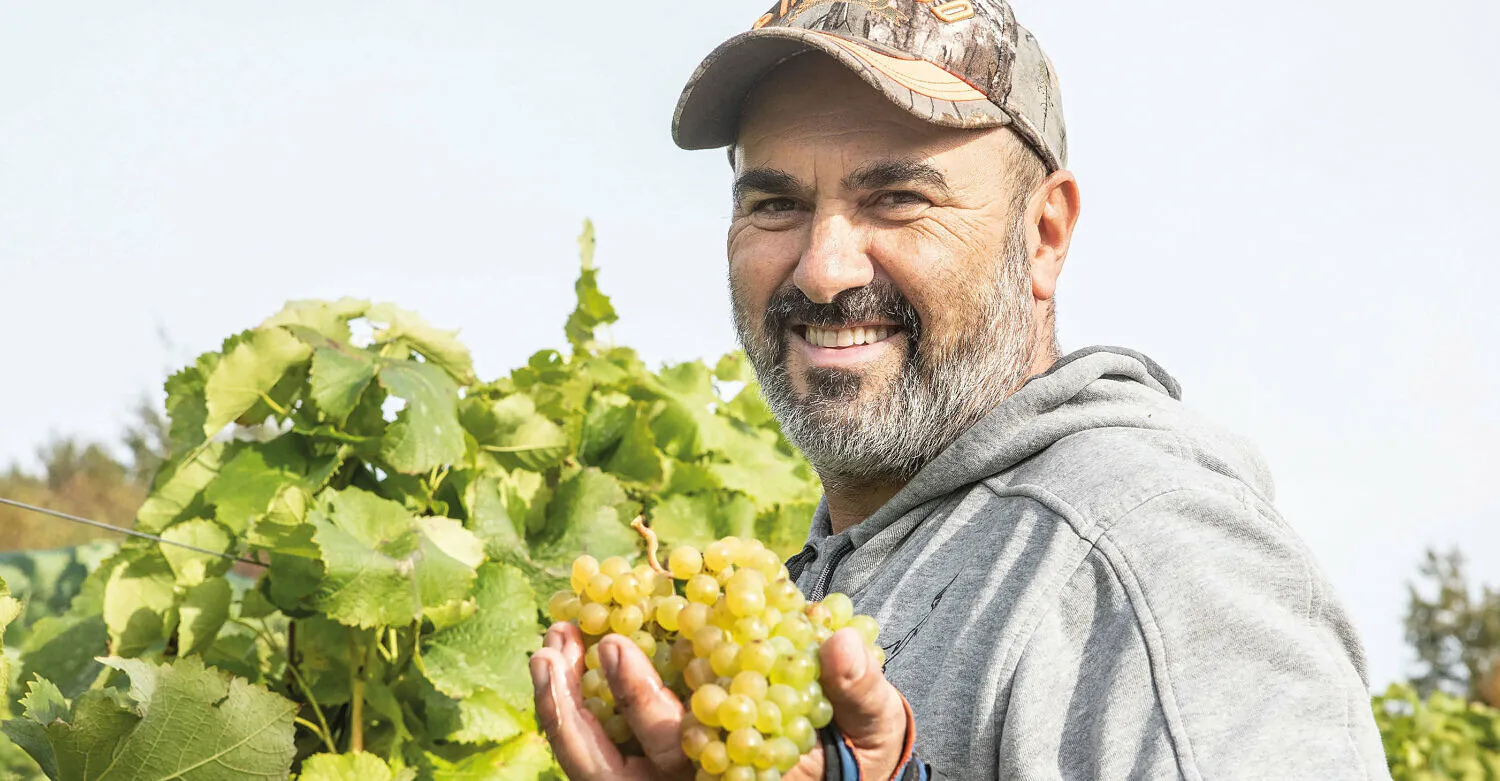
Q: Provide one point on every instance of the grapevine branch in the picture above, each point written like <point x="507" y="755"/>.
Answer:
<point x="647" y="534"/>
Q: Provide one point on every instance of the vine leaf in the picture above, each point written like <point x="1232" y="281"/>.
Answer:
<point x="440" y="347"/>
<point x="490" y="649"/>
<point x="10" y="609"/>
<point x="139" y="604"/>
<point x="514" y="434"/>
<point x="384" y="565"/>
<point x="204" y="609"/>
<point x="248" y="372"/>
<point x="426" y="434"/>
<point x="361" y="766"/>
<point x="189" y="566"/>
<point x="590" y="513"/>
<point x="329" y="319"/>
<point x="524" y="759"/>
<point x="179" y="720"/>
<point x="338" y="378"/>
<point x="178" y="487"/>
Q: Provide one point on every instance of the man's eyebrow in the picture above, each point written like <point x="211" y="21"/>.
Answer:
<point x="890" y="173"/>
<point x="770" y="181"/>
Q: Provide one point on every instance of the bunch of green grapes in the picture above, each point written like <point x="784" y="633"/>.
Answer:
<point x="731" y="635"/>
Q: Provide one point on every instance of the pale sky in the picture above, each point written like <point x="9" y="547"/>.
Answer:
<point x="1291" y="204"/>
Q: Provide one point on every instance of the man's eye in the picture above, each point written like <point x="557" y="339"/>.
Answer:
<point x="901" y="198"/>
<point x="775" y="205"/>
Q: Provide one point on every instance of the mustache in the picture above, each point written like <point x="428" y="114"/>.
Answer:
<point x="879" y="301"/>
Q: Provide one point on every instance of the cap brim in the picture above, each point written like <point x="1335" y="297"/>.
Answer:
<point x="708" y="112"/>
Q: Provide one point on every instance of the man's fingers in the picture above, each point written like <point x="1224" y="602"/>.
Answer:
<point x="565" y="638"/>
<point x="866" y="706"/>
<point x="577" y="739"/>
<point x="653" y="711"/>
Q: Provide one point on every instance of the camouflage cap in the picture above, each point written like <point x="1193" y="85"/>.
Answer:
<point x="956" y="63"/>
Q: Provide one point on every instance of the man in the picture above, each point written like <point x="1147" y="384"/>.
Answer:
<point x="1075" y="576"/>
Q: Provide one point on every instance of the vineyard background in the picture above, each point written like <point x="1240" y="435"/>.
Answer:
<point x="405" y="517"/>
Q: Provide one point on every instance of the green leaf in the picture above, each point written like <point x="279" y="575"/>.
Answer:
<point x="63" y="648"/>
<point x="784" y="529"/>
<point x="329" y="319"/>
<point x="384" y="565"/>
<point x="194" y="724"/>
<point x="189" y="566"/>
<point x="514" y="433"/>
<point x="440" y="347"/>
<point x="524" y="759"/>
<point x="253" y="475"/>
<point x="187" y="408"/>
<point x="732" y="368"/>
<point x="204" y="609"/>
<point x="179" y="488"/>
<point x="339" y="377"/>
<point x="589" y="513"/>
<point x="594" y="308"/>
<point x="426" y="434"/>
<point x="140" y="604"/>
<point x="686" y="520"/>
<point x="249" y="372"/>
<point x="490" y="650"/>
<point x="481" y="717"/>
<point x="362" y="766"/>
<point x="637" y="458"/>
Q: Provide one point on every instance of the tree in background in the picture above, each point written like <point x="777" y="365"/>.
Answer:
<point x="1455" y="631"/>
<point x="86" y="479"/>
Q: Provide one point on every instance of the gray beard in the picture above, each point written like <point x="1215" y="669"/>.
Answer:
<point x="947" y="383"/>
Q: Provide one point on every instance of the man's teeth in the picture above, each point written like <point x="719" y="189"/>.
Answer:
<point x="848" y="337"/>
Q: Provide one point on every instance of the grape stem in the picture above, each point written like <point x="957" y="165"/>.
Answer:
<point x="639" y="524"/>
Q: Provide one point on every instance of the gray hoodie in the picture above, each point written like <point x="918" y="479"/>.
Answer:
<point x="1092" y="582"/>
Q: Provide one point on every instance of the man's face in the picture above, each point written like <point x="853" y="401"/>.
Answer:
<point x="878" y="270"/>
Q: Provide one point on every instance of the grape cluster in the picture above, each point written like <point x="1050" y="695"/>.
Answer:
<point x="731" y="635"/>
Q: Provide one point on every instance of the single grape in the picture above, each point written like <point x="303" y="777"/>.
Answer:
<point x="584" y="568"/>
<point x="840" y="608"/>
<point x="769" y="774"/>
<point x="722" y="576"/>
<point x="757" y="656"/>
<point x="717" y="555"/>
<point x="782" y="753"/>
<point x="725" y="657"/>
<point x="766" y="562"/>
<point x="617" y="728"/>
<point x="685" y="562"/>
<point x="598" y="708"/>
<point x="644" y="641"/>
<point x="736" y="712"/>
<point x="750" y="629"/>
<point x="866" y="627"/>
<point x="698" y="672"/>
<point x="768" y="718"/>
<point x="800" y="731"/>
<point x="821" y="713"/>
<point x="661" y="659"/>
<point x="795" y="670"/>
<point x="626" y="589"/>
<point x="704" y="775"/>
<point x="626" y="620"/>
<point x="692" y="618"/>
<point x="795" y="628"/>
<point x="563" y="606"/>
<point x="788" y="700"/>
<point x="598" y="588"/>
<point x="750" y="684"/>
<point x="744" y="597"/>
<point x="614" y="567"/>
<point x="781" y="645"/>
<point x="738" y="773"/>
<point x="591" y="657"/>
<point x="743" y="745"/>
<point x="705" y="640"/>
<point x="702" y="589"/>
<point x="705" y="703"/>
<point x="592" y="682"/>
<point x="714" y="758"/>
<point x="819" y="614"/>
<point x="784" y="596"/>
<point x="593" y="618"/>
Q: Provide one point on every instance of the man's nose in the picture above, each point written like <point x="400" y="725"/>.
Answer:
<point x="834" y="260"/>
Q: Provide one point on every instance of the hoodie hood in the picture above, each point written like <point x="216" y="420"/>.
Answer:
<point x="1095" y="387"/>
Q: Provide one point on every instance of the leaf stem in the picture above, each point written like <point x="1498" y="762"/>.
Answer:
<point x="266" y="397"/>
<point x="639" y="524"/>
<point x="291" y="667"/>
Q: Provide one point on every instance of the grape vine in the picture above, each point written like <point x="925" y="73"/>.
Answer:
<point x="407" y="516"/>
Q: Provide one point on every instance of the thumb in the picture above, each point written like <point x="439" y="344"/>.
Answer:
<point x="867" y="708"/>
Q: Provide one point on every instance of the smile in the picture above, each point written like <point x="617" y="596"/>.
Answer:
<point x="846" y="337"/>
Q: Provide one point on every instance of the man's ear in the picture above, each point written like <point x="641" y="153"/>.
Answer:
<point x="1051" y="212"/>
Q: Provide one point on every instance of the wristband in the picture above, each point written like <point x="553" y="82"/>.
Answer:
<point x="839" y="763"/>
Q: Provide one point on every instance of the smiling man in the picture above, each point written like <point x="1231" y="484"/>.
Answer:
<point x="1076" y="577"/>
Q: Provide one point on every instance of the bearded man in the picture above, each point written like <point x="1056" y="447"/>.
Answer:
<point x="1075" y="576"/>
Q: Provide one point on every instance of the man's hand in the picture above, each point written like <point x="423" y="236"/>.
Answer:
<point x="866" y="707"/>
